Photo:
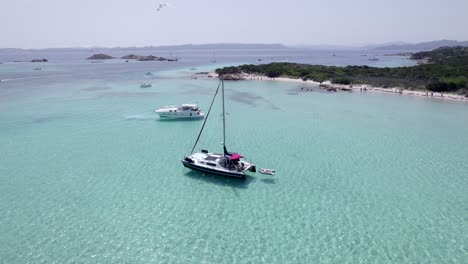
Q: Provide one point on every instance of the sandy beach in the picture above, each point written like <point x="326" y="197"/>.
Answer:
<point x="349" y="88"/>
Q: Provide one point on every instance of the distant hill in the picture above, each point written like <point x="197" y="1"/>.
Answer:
<point x="211" y="47"/>
<point x="424" y="45"/>
<point x="325" y="47"/>
<point x="395" y="43"/>
<point x="222" y="46"/>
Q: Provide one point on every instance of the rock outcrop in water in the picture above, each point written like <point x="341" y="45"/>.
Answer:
<point x="100" y="56"/>
<point x="151" y="58"/>
<point x="39" y="60"/>
<point x="131" y="57"/>
<point x="146" y="58"/>
<point x="231" y="77"/>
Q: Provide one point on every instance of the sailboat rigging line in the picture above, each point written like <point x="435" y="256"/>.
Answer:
<point x="224" y="118"/>
<point x="206" y="118"/>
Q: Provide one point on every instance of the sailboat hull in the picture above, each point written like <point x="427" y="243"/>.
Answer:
<point x="226" y="164"/>
<point x="213" y="171"/>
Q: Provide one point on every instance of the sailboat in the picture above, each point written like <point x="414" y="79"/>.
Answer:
<point x="172" y="59"/>
<point x="228" y="164"/>
<point x="213" y="59"/>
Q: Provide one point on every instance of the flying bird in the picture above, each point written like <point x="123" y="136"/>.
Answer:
<point x="161" y="5"/>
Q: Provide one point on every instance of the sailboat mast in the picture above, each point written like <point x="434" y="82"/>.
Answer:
<point x="224" y="117"/>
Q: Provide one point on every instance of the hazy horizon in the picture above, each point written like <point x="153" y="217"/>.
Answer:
<point x="317" y="46"/>
<point x="83" y="24"/>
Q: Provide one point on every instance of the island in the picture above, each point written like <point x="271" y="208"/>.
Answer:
<point x="422" y="46"/>
<point x="39" y="60"/>
<point x="147" y="58"/>
<point x="445" y="71"/>
<point x="100" y="56"/>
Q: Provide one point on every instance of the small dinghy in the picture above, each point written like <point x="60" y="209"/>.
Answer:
<point x="267" y="171"/>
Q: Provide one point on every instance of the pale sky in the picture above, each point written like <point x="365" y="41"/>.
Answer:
<point x="111" y="23"/>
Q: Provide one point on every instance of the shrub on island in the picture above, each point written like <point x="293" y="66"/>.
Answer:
<point x="442" y="87"/>
<point x="345" y="81"/>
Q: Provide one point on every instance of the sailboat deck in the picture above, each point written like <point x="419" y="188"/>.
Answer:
<point x="212" y="157"/>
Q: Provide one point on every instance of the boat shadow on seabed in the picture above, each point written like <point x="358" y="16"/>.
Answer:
<point x="223" y="181"/>
<point x="227" y="181"/>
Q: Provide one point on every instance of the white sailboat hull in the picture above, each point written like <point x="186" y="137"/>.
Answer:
<point x="217" y="164"/>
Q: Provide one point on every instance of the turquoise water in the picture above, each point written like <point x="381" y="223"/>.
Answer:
<point x="89" y="174"/>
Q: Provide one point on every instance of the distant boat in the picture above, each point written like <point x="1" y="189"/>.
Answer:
<point x="213" y="58"/>
<point x="334" y="54"/>
<point x="185" y="111"/>
<point x="37" y="69"/>
<point x="149" y="73"/>
<point x="145" y="85"/>
<point x="374" y="59"/>
<point x="227" y="164"/>
<point x="171" y="58"/>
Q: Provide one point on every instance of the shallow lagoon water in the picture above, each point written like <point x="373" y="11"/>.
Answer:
<point x="88" y="173"/>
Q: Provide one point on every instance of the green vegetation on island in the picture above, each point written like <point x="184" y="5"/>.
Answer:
<point x="100" y="56"/>
<point x="446" y="71"/>
<point x="147" y="58"/>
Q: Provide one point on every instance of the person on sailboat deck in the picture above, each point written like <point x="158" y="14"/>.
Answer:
<point x="233" y="162"/>
<point x="237" y="166"/>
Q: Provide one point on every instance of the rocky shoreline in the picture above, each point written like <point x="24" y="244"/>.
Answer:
<point x="39" y="60"/>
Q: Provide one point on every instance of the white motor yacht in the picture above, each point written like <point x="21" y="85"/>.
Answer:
<point x="183" y="111"/>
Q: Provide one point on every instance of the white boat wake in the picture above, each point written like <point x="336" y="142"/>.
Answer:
<point x="33" y="77"/>
<point x="139" y="117"/>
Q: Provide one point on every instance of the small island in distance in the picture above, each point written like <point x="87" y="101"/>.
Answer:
<point x="101" y="56"/>
<point x="446" y="70"/>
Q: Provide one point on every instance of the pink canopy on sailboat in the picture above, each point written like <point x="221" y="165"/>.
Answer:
<point x="236" y="156"/>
